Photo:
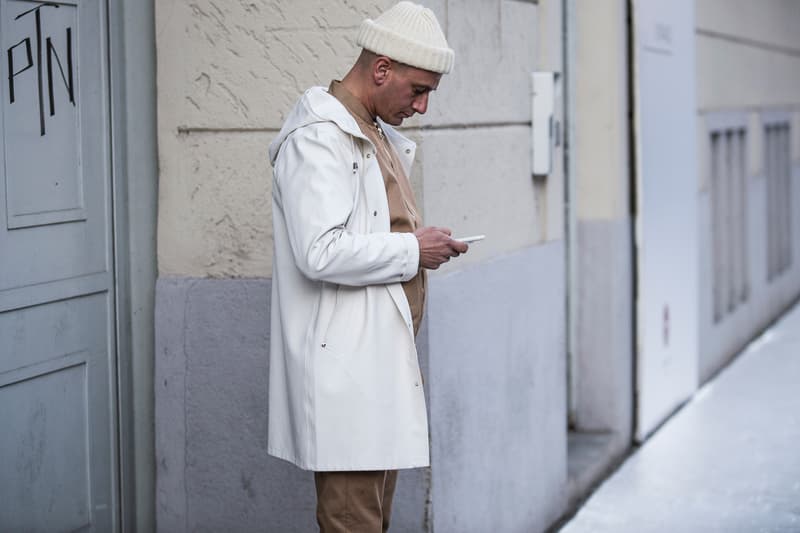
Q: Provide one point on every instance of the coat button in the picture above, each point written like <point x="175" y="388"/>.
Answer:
<point x="369" y="155"/>
<point x="374" y="213"/>
<point x="408" y="150"/>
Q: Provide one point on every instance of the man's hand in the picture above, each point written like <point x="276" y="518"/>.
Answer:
<point x="436" y="247"/>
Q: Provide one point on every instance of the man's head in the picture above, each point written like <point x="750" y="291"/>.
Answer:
<point x="394" y="91"/>
<point x="404" y="56"/>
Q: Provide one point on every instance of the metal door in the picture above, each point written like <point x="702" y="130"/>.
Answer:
<point x="666" y="218"/>
<point x="58" y="460"/>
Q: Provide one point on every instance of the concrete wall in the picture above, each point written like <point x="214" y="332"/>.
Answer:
<point x="213" y="470"/>
<point x="497" y="400"/>
<point x="492" y="344"/>
<point x="602" y="284"/>
<point x="229" y="73"/>
<point x="748" y="65"/>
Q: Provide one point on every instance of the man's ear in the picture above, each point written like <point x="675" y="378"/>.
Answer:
<point x="381" y="69"/>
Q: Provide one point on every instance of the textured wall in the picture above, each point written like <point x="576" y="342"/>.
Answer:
<point x="243" y="64"/>
<point x="485" y="189"/>
<point x="601" y="110"/>
<point x="228" y="73"/>
<point x="748" y="64"/>
<point x="748" y="54"/>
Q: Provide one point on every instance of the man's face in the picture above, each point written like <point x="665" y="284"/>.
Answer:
<point x="405" y="93"/>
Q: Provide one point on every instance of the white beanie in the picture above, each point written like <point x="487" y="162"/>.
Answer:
<point x="408" y="33"/>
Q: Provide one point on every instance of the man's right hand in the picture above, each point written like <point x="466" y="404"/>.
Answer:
<point x="436" y="247"/>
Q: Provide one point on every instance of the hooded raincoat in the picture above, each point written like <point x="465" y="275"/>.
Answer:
<point x="345" y="390"/>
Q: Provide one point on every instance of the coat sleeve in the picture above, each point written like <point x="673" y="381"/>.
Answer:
<point x="315" y="187"/>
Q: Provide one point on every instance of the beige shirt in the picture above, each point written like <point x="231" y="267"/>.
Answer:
<point x="402" y="206"/>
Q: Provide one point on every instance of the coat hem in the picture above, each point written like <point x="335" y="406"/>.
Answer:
<point x="351" y="467"/>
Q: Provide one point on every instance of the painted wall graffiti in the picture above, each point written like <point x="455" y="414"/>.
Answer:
<point x="21" y="58"/>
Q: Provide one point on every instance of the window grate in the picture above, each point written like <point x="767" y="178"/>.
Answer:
<point x="729" y="220"/>
<point x="778" y="183"/>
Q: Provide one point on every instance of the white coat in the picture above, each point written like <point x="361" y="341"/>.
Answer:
<point x="345" y="391"/>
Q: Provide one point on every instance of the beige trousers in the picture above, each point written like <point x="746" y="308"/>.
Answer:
<point x="355" y="502"/>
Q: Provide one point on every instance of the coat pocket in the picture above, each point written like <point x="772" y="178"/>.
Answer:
<point x="343" y="318"/>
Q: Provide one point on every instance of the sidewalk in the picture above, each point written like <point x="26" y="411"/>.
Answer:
<point x="728" y="462"/>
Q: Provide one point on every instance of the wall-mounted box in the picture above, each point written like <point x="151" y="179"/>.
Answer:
<point x="546" y="129"/>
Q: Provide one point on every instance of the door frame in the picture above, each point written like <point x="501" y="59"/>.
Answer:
<point x="134" y="178"/>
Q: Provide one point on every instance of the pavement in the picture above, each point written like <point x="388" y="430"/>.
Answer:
<point x="727" y="462"/>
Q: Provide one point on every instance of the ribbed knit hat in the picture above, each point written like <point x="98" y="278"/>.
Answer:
<point x="408" y="33"/>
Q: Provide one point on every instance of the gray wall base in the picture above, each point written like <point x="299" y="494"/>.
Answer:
<point x="497" y="393"/>
<point x="213" y="472"/>
<point x="604" y="336"/>
<point x="491" y="350"/>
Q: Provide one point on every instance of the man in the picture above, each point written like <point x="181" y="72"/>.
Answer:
<point x="346" y="397"/>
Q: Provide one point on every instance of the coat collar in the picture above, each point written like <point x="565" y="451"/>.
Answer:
<point x="317" y="105"/>
<point x="351" y="102"/>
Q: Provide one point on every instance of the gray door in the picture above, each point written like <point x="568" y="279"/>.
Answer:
<point x="666" y="218"/>
<point x="58" y="460"/>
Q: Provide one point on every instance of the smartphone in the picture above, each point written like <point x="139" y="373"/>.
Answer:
<point x="470" y="239"/>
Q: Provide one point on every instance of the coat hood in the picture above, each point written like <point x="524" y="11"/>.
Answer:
<point x="316" y="105"/>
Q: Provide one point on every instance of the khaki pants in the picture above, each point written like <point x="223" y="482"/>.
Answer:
<point x="354" y="502"/>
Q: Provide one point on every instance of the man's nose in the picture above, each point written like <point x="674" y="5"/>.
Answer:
<point x="420" y="104"/>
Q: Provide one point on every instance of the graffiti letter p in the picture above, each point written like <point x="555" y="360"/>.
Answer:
<point x="11" y="73"/>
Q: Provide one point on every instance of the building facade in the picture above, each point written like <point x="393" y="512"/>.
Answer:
<point x="635" y="166"/>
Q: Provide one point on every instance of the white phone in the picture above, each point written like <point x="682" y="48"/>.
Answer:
<point x="471" y="238"/>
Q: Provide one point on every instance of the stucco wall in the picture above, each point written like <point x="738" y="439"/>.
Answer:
<point x="228" y="73"/>
<point x="747" y="53"/>
<point x="748" y="65"/>
<point x="601" y="110"/>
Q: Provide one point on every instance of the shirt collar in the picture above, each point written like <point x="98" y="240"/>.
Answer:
<point x="352" y="103"/>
